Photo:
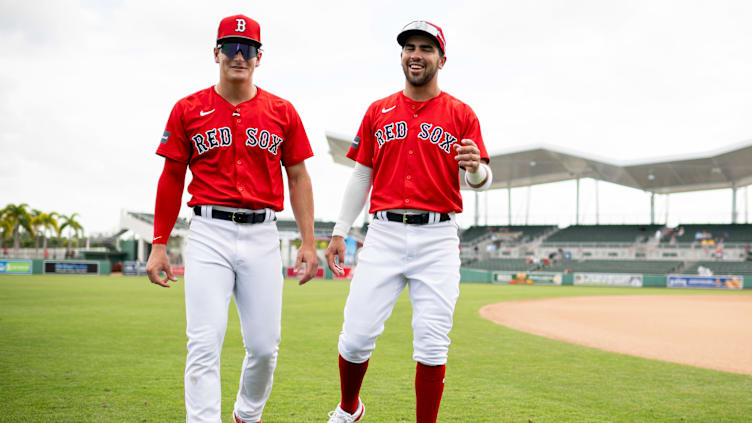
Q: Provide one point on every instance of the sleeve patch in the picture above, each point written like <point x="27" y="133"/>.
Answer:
<point x="356" y="142"/>
<point x="165" y="136"/>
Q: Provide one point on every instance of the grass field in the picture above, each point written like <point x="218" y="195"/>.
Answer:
<point x="111" y="349"/>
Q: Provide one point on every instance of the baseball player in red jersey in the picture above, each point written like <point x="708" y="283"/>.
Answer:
<point x="235" y="137"/>
<point x="409" y="148"/>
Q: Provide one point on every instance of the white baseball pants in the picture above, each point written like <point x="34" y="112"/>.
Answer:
<point x="425" y="258"/>
<point x="225" y="259"/>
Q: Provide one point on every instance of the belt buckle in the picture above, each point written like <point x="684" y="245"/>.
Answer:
<point x="404" y="218"/>
<point x="233" y="218"/>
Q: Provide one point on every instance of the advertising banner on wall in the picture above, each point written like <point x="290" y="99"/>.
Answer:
<point x="608" y="279"/>
<point x="15" y="267"/>
<point x="290" y="273"/>
<point x="348" y="273"/>
<point x="71" y="267"/>
<point x="540" y="278"/>
<point x="134" y="268"/>
<point x="696" y="281"/>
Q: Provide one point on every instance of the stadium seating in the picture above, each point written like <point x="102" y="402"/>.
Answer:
<point x="735" y="233"/>
<point x="521" y="233"/>
<point x="615" y="266"/>
<point x="503" y="264"/>
<point x="320" y="229"/>
<point x="604" y="233"/>
<point x="722" y="268"/>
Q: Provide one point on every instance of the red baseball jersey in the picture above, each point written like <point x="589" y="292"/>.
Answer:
<point x="235" y="153"/>
<point x="410" y="147"/>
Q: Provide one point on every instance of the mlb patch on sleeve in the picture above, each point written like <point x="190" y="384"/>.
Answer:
<point x="165" y="136"/>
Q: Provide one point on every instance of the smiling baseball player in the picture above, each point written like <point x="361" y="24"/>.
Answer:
<point x="235" y="137"/>
<point x="409" y="148"/>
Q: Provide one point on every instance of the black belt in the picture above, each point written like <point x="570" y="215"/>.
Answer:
<point x="413" y="219"/>
<point x="237" y="217"/>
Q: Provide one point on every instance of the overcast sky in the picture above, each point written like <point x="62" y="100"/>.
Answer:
<point x="86" y="89"/>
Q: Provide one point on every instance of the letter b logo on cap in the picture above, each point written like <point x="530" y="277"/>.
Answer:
<point x="241" y="25"/>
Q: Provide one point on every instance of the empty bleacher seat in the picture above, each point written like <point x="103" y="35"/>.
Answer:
<point x="604" y="233"/>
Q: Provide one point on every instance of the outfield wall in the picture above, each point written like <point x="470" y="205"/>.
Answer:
<point x="634" y="280"/>
<point x="467" y="275"/>
<point x="58" y="267"/>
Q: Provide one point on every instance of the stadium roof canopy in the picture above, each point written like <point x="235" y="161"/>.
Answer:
<point x="726" y="168"/>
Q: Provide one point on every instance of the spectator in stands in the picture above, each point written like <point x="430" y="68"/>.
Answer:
<point x="704" y="271"/>
<point x="5" y="251"/>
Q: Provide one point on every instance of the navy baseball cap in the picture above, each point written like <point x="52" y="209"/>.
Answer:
<point x="239" y="28"/>
<point x="423" y="28"/>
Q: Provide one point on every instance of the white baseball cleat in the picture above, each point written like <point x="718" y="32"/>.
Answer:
<point x="341" y="416"/>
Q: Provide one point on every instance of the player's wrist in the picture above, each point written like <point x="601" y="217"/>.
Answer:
<point x="477" y="177"/>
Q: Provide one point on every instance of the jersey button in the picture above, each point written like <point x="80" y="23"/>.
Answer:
<point x="239" y="163"/>
<point x="410" y="152"/>
<point x="415" y="115"/>
<point x="407" y="200"/>
<point x="240" y="188"/>
<point x="409" y="177"/>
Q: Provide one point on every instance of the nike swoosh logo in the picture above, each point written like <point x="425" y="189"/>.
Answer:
<point x="203" y="113"/>
<point x="156" y="238"/>
<point x="383" y="110"/>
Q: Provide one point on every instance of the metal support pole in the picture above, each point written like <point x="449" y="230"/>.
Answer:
<point x="746" y="205"/>
<point x="477" y="210"/>
<point x="577" y="210"/>
<point x="668" y="197"/>
<point x="733" y="203"/>
<point x="485" y="207"/>
<point x="527" y="208"/>
<point x="509" y="203"/>
<point x="652" y="208"/>
<point x="597" y="205"/>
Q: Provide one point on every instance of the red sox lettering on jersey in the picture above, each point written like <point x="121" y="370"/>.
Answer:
<point x="409" y="145"/>
<point x="235" y="152"/>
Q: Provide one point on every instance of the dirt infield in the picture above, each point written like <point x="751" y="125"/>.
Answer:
<point x="711" y="331"/>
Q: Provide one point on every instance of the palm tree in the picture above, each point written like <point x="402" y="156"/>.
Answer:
<point x="45" y="221"/>
<point x="7" y="228"/>
<point x="74" y="228"/>
<point x="17" y="217"/>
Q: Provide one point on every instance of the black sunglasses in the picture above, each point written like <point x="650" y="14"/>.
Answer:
<point x="232" y="49"/>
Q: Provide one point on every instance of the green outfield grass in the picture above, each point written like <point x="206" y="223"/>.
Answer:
<point x="111" y="349"/>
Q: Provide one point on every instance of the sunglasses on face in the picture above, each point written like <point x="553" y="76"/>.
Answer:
<point x="232" y="49"/>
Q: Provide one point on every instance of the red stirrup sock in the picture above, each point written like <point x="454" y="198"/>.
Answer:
<point x="350" y="379"/>
<point x="429" y="386"/>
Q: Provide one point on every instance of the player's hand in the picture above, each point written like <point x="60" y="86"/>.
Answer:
<point x="468" y="155"/>
<point x="336" y="249"/>
<point x="158" y="262"/>
<point x="307" y="255"/>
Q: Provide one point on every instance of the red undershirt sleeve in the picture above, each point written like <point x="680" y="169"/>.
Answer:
<point x="169" y="194"/>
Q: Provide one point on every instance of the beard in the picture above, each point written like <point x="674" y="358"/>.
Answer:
<point x="429" y="71"/>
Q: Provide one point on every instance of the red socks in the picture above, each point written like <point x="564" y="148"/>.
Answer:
<point x="350" y="379"/>
<point x="429" y="386"/>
